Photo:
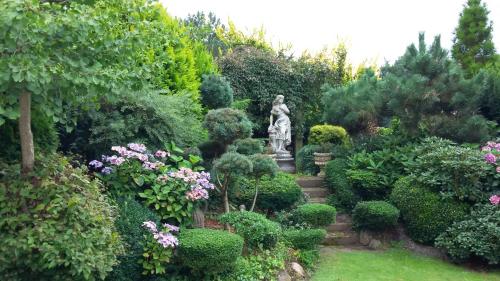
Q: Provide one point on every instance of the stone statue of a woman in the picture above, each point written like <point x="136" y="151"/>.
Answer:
<point x="280" y="130"/>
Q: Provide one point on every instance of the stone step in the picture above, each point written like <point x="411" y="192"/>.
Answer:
<point x="311" y="182"/>
<point x="339" y="226"/>
<point x="317" y="200"/>
<point x="341" y="239"/>
<point x="316" y="191"/>
<point x="343" y="218"/>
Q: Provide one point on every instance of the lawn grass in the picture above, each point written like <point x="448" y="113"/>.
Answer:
<point x="391" y="265"/>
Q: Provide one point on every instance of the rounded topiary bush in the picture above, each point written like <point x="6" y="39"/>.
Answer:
<point x="304" y="238"/>
<point x="208" y="251"/>
<point x="55" y="224"/>
<point x="304" y="161"/>
<point x="249" y="146"/>
<point x="225" y="125"/>
<point x="315" y="214"/>
<point x="255" y="228"/>
<point x="374" y="215"/>
<point x="129" y="223"/>
<point x="275" y="193"/>
<point x="328" y="134"/>
<point x="424" y="213"/>
<point x="216" y="91"/>
<point x="343" y="196"/>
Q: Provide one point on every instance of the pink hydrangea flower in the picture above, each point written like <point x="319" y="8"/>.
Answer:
<point x="161" y="154"/>
<point x="115" y="160"/>
<point x="167" y="240"/>
<point x="149" y="165"/>
<point x="120" y="149"/>
<point x="139" y="147"/>
<point x="495" y="199"/>
<point x="151" y="226"/>
<point x="490" y="158"/>
<point x="170" y="227"/>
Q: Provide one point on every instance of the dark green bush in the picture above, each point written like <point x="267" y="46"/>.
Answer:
<point x="129" y="223"/>
<point x="304" y="161"/>
<point x="249" y="146"/>
<point x="255" y="228"/>
<point x="304" y="238"/>
<point x="55" y="224"/>
<point x="478" y="235"/>
<point x="216" y="91"/>
<point x="452" y="170"/>
<point x="319" y="134"/>
<point x="225" y="125"/>
<point x="207" y="251"/>
<point x="315" y="214"/>
<point x="374" y="215"/>
<point x="343" y="196"/>
<point x="424" y="213"/>
<point x="275" y="194"/>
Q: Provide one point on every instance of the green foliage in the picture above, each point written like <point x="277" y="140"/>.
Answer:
<point x="249" y="146"/>
<point x="34" y="210"/>
<point x="450" y="111"/>
<point x="343" y="196"/>
<point x="152" y="119"/>
<point x="262" y="266"/>
<point x="315" y="214"/>
<point x="476" y="236"/>
<point x="275" y="194"/>
<point x="354" y="106"/>
<point x="233" y="164"/>
<point x="263" y="165"/>
<point x="374" y="215"/>
<point x="423" y="212"/>
<point x="320" y="134"/>
<point x="129" y="224"/>
<point x="308" y="258"/>
<point x="225" y="125"/>
<point x="203" y="28"/>
<point x="256" y="229"/>
<point x="305" y="160"/>
<point x="451" y="170"/>
<point x="490" y="96"/>
<point x="306" y="239"/>
<point x="207" y="251"/>
<point x="473" y="44"/>
<point x="216" y="92"/>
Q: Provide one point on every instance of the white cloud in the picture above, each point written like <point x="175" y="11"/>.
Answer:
<point x="375" y="29"/>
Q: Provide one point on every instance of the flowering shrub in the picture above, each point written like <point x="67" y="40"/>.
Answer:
<point x="492" y="157"/>
<point x="159" y="247"/>
<point x="495" y="199"/>
<point x="168" y="183"/>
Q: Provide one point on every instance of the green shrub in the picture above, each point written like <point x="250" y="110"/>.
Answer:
<point x="55" y="224"/>
<point x="216" y="91"/>
<point x="207" y="251"/>
<point x="452" y="170"/>
<point x="308" y="258"/>
<point x="129" y="223"/>
<point x="304" y="161"/>
<point x="249" y="146"/>
<point x="478" y="235"/>
<point x="328" y="134"/>
<point x="275" y="193"/>
<point x="374" y="215"/>
<point x="225" y="125"/>
<point x="343" y="196"/>
<point x="423" y="212"/>
<point x="255" y="228"/>
<point x="315" y="214"/>
<point x="304" y="238"/>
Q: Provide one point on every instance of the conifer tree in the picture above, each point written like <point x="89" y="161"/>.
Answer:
<point x="473" y="47"/>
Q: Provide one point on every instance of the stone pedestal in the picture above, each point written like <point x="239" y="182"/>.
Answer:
<point x="285" y="161"/>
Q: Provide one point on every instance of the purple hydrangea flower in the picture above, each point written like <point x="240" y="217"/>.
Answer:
<point x="151" y="226"/>
<point x="96" y="164"/>
<point x="170" y="227"/>
<point x="139" y="147"/>
<point x="495" y="199"/>
<point x="167" y="240"/>
<point x="490" y="158"/>
<point x="107" y="170"/>
<point x="161" y="154"/>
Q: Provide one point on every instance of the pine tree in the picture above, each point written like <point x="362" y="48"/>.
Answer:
<point x="472" y="45"/>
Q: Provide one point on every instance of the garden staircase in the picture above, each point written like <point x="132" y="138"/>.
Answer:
<point x="339" y="233"/>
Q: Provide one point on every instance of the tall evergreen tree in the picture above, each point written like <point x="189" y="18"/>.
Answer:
<point x="473" y="47"/>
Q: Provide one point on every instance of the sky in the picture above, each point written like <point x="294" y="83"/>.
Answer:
<point x="374" y="30"/>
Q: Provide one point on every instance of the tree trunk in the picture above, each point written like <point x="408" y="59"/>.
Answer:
<point x="26" y="136"/>
<point x="226" y="201"/>
<point x="255" y="196"/>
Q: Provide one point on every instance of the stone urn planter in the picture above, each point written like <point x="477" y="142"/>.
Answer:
<point x="320" y="159"/>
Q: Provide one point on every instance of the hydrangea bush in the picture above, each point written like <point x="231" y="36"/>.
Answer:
<point x="166" y="181"/>
<point x="159" y="247"/>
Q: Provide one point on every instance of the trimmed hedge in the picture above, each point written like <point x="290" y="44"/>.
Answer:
<point x="320" y="134"/>
<point x="275" y="193"/>
<point x="423" y="212"/>
<point x="315" y="214"/>
<point x="343" y="196"/>
<point x="255" y="228"/>
<point x="304" y="238"/>
<point x="208" y="251"/>
<point x="129" y="224"/>
<point x="374" y="215"/>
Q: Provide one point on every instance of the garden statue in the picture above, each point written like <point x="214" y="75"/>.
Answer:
<point x="280" y="131"/>
<point x="280" y="135"/>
